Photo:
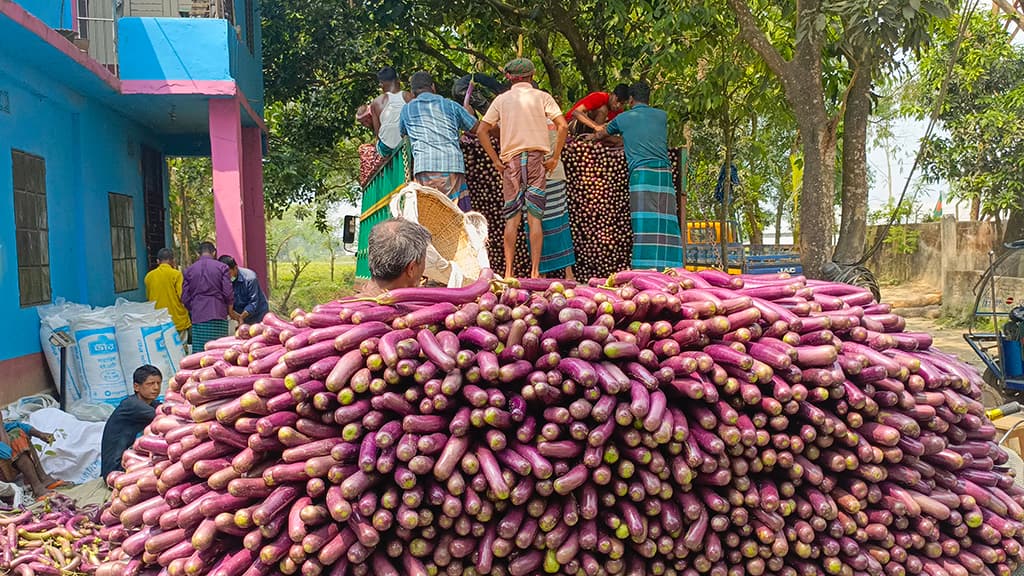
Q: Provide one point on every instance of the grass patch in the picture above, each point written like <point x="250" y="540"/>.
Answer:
<point x="314" y="285"/>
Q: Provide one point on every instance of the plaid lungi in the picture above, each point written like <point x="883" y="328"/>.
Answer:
<point x="652" y="201"/>
<point x="451" y="184"/>
<point x="522" y="185"/>
<point x="557" y="252"/>
<point x="206" y="331"/>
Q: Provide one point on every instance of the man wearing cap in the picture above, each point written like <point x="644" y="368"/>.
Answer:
<point x="433" y="124"/>
<point x="523" y="113"/>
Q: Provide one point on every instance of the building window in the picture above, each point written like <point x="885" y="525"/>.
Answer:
<point x="32" y="233"/>
<point x="122" y="243"/>
<point x="250" y="33"/>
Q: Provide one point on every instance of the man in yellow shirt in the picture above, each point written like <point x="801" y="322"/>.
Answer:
<point x="163" y="288"/>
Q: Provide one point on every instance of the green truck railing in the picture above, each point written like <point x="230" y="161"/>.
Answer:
<point x="388" y="179"/>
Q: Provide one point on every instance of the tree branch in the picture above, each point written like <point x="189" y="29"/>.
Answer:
<point x="475" y="53"/>
<point x="1010" y="11"/>
<point x="752" y="34"/>
<point x="436" y="54"/>
<point x="508" y="9"/>
<point x="565" y="24"/>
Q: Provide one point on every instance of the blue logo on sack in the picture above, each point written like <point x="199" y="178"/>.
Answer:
<point x="103" y="345"/>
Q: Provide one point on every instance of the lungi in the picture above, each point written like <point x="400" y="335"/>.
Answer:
<point x="206" y="331"/>
<point x="452" y="184"/>
<point x="657" y="241"/>
<point x="557" y="253"/>
<point x="522" y="185"/>
<point x="18" y="438"/>
<point x="383" y="149"/>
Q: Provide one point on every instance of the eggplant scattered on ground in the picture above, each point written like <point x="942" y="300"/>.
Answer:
<point x="670" y="423"/>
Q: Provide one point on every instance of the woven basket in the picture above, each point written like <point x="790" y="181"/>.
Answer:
<point x="458" y="250"/>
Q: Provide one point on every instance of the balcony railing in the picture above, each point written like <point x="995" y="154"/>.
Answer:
<point x="97" y="21"/>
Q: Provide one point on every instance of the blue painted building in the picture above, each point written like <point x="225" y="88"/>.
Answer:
<point x="94" y="96"/>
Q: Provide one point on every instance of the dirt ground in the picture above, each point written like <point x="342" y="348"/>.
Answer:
<point x="947" y="339"/>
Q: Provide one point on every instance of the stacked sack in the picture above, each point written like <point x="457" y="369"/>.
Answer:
<point x="109" y="343"/>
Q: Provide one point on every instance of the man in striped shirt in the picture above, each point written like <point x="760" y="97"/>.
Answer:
<point x="433" y="124"/>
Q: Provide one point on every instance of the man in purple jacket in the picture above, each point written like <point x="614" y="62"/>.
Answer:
<point x="208" y="295"/>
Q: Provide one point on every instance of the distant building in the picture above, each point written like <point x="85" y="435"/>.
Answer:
<point x="94" y="95"/>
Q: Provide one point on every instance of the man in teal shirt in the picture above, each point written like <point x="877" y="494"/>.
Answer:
<point x="657" y="242"/>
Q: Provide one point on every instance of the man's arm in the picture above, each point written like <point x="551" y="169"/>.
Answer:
<point x="252" y="294"/>
<point x="582" y="115"/>
<point x="226" y="291"/>
<point x="186" y="292"/>
<point x="467" y="119"/>
<point x="375" y="107"/>
<point x="563" y="131"/>
<point x="484" y="132"/>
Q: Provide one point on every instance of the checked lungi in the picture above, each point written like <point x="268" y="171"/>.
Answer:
<point x="207" y="331"/>
<point x="522" y="185"/>
<point x="557" y="253"/>
<point x="657" y="241"/>
<point x="452" y="184"/>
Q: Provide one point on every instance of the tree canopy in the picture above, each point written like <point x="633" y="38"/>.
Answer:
<point x="785" y="88"/>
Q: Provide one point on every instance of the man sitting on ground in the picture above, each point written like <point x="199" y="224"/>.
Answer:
<point x="130" y="418"/>
<point x="16" y="449"/>
<point x="398" y="255"/>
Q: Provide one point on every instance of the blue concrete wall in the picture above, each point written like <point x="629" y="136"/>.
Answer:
<point x="55" y="13"/>
<point x="90" y="151"/>
<point x="191" y="49"/>
<point x="174" y="49"/>
<point x="247" y="68"/>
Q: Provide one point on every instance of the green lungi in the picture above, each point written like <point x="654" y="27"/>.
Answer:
<point x="207" y="331"/>
<point x="657" y="242"/>
<point x="557" y="253"/>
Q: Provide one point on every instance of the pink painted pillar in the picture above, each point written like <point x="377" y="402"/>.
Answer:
<point x="226" y="155"/>
<point x="255" y="219"/>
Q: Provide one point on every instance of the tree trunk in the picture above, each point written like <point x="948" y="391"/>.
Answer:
<point x="726" y="187"/>
<point x="565" y="23"/>
<point x="756" y="233"/>
<point x="854" y="223"/>
<point x="542" y="40"/>
<point x="1014" y="226"/>
<point x="818" y="191"/>
<point x="801" y="79"/>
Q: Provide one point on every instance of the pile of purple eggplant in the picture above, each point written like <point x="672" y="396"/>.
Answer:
<point x="52" y="539"/>
<point x="649" y="423"/>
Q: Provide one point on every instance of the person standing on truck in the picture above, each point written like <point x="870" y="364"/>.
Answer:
<point x="558" y="252"/>
<point x="163" y="289"/>
<point x="433" y="124"/>
<point x="596" y="109"/>
<point x="386" y="110"/>
<point x="652" y="196"/>
<point x="206" y="293"/>
<point x="485" y="88"/>
<point x="523" y="113"/>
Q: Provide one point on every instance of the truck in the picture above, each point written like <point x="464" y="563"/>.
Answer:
<point x="702" y="239"/>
